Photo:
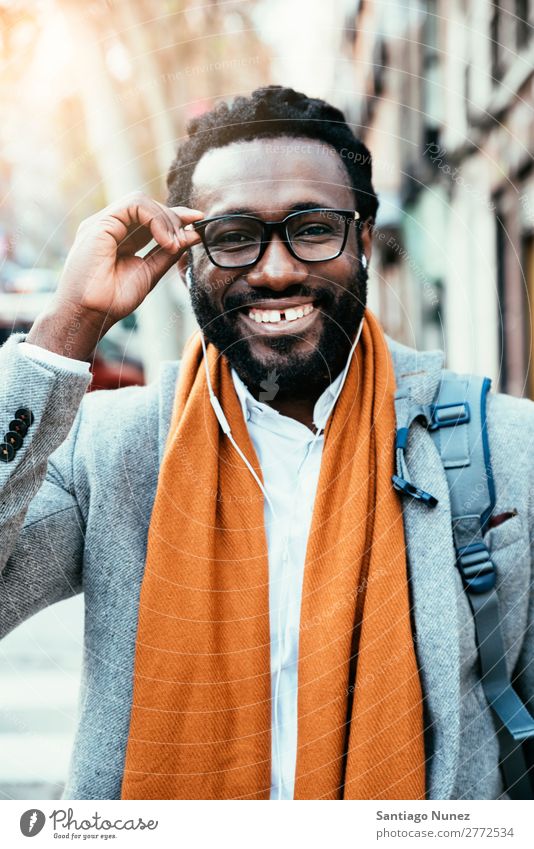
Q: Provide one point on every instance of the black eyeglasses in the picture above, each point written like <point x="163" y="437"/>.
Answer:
<point x="311" y="235"/>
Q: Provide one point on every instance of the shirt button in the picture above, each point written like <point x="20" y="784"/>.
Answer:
<point x="14" y="439"/>
<point x="26" y="415"/>
<point x="7" y="452"/>
<point x="19" y="426"/>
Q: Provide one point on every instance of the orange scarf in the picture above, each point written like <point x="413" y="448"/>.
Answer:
<point x="201" y="716"/>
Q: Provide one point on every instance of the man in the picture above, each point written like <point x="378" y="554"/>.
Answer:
<point x="265" y="617"/>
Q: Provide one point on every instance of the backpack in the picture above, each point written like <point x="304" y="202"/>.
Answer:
<point x="456" y="421"/>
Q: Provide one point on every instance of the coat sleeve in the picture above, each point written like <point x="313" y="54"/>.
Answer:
<point x="41" y="527"/>
<point x="524" y="671"/>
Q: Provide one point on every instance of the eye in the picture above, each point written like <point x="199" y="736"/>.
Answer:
<point x="234" y="237"/>
<point x="231" y="234"/>
<point x="314" y="230"/>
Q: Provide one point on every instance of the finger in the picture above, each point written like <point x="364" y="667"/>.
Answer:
<point x="182" y="216"/>
<point x="186" y="214"/>
<point x="189" y="237"/>
<point x="143" y="212"/>
<point x="158" y="263"/>
<point x="160" y="224"/>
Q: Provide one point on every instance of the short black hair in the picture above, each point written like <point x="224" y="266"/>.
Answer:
<point x="272" y="112"/>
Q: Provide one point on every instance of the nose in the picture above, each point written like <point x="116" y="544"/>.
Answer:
<point x="277" y="269"/>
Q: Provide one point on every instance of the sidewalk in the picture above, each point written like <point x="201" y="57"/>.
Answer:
<point x="39" y="681"/>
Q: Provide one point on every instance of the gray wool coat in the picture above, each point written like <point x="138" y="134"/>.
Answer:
<point x="75" y="507"/>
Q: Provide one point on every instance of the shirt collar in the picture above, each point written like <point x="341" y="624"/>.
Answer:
<point x="322" y="408"/>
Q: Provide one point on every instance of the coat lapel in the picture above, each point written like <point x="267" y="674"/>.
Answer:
<point x="433" y="576"/>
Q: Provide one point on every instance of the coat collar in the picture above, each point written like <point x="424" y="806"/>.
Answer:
<point x="434" y="583"/>
<point x="416" y="372"/>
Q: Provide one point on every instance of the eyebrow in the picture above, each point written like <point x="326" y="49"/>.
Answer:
<point x="297" y="207"/>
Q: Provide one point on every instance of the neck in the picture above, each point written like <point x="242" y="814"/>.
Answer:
<point x="300" y="409"/>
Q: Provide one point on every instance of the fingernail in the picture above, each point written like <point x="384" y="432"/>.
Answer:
<point x="188" y="227"/>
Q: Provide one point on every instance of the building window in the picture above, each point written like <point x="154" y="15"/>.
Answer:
<point x="380" y="62"/>
<point x="510" y="31"/>
<point x="432" y="90"/>
<point x="500" y="233"/>
<point x="467" y="90"/>
<point x="523" y="28"/>
<point x="528" y="271"/>
<point x="495" y="28"/>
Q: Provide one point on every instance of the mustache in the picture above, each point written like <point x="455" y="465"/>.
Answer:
<point x="238" y="300"/>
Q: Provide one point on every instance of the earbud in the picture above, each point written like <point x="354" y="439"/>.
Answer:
<point x="188" y="278"/>
<point x="364" y="261"/>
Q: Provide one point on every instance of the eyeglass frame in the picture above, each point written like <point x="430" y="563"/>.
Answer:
<point x="279" y="227"/>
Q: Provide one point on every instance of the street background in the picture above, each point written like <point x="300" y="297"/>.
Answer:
<point x="94" y="99"/>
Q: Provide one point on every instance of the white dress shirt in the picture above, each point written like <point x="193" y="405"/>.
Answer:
<point x="46" y="356"/>
<point x="290" y="458"/>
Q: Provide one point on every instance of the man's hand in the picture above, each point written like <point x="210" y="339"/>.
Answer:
<point x="103" y="280"/>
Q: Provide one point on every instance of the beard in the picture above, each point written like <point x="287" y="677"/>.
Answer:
<point x="298" y="374"/>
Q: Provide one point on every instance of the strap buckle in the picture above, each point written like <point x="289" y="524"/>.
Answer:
<point x="449" y="415"/>
<point x="408" y="488"/>
<point x="476" y="568"/>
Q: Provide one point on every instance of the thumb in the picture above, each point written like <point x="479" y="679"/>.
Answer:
<point x="158" y="262"/>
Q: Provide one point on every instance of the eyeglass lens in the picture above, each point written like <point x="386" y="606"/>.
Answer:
<point x="237" y="240"/>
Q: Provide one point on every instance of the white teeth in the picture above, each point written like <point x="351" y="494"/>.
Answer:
<point x="274" y="316"/>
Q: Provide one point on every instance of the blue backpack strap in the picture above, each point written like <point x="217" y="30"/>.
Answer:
<point x="457" y="422"/>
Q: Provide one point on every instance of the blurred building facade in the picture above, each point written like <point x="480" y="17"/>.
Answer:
<point x="95" y="99"/>
<point x="442" y="93"/>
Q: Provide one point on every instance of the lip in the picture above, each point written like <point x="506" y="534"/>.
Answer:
<point x="295" y="327"/>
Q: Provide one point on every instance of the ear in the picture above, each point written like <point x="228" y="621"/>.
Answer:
<point x="182" y="265"/>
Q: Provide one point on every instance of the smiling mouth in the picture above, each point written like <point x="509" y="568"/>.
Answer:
<point x="291" y="319"/>
<point x="270" y="316"/>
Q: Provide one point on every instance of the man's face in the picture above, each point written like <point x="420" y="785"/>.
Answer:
<point x="271" y="178"/>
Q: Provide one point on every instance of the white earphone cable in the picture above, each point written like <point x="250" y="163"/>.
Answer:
<point x="223" y="421"/>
